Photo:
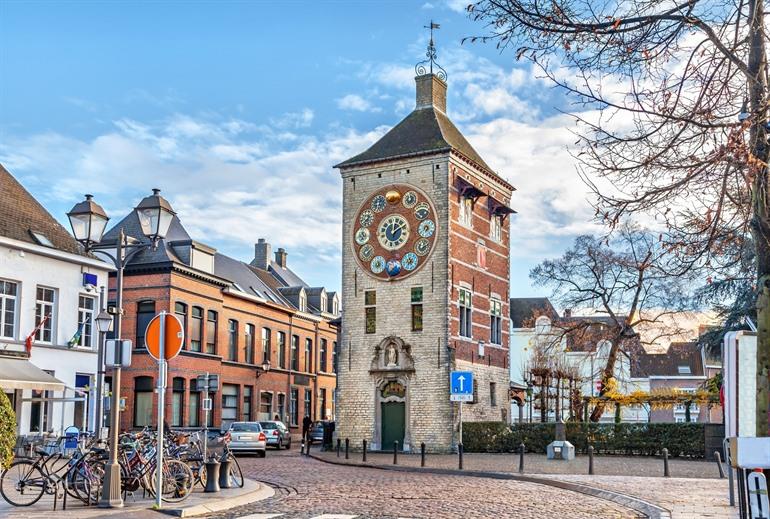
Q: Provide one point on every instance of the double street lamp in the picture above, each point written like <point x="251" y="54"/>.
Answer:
<point x="88" y="221"/>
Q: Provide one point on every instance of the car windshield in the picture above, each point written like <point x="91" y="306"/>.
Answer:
<point x="245" y="427"/>
<point x="268" y="425"/>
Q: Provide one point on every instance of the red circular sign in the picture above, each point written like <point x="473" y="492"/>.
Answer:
<point x="174" y="337"/>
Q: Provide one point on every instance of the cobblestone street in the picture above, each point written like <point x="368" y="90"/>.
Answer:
<point x="307" y="488"/>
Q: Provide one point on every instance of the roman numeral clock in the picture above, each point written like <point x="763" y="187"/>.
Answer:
<point x="395" y="232"/>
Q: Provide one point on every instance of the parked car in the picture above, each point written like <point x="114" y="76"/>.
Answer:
<point x="316" y="434"/>
<point x="248" y="437"/>
<point x="278" y="435"/>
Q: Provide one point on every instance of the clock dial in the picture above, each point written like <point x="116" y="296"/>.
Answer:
<point x="410" y="199"/>
<point x="366" y="253"/>
<point x="362" y="236"/>
<point x="378" y="203"/>
<point x="422" y="247"/>
<point x="378" y="264"/>
<point x="427" y="228"/>
<point x="366" y="218"/>
<point x="394" y="232"/>
<point x="410" y="261"/>
<point x="422" y="211"/>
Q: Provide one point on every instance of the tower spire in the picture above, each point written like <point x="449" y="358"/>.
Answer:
<point x="426" y="67"/>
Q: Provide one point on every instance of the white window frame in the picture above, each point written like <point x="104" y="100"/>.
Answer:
<point x="4" y="301"/>
<point x="495" y="321"/>
<point x="87" y="335"/>
<point x="43" y="308"/>
<point x="465" y="304"/>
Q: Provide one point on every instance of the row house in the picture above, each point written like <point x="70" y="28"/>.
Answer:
<point x="268" y="335"/>
<point x="49" y="298"/>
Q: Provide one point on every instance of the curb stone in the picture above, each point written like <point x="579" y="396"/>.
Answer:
<point x="650" y="510"/>
<point x="258" y="492"/>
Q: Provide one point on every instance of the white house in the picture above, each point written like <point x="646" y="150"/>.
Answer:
<point x="50" y="378"/>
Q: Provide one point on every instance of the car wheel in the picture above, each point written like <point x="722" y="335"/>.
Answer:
<point x="261" y="454"/>
<point x="288" y="445"/>
<point x="280" y="444"/>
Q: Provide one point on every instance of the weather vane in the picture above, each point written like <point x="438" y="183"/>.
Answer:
<point x="426" y="67"/>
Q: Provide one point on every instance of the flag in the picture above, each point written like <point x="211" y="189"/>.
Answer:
<point x="434" y="26"/>
<point x="76" y="338"/>
<point x="31" y="337"/>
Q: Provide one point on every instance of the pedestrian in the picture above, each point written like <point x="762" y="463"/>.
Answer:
<point x="306" y="423"/>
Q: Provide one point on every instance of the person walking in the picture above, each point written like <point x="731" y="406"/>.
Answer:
<point x="306" y="423"/>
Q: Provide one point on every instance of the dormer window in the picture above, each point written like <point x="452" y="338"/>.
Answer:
<point x="302" y="302"/>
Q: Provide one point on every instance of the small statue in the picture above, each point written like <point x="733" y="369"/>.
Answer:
<point x="391" y="356"/>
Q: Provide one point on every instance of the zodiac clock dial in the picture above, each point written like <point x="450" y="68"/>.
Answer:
<point x="395" y="232"/>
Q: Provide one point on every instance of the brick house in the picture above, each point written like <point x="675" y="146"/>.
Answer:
<point x="236" y="316"/>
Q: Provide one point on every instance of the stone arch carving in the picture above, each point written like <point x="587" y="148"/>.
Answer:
<point x="392" y="354"/>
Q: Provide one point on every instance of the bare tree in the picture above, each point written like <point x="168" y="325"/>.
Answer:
<point x="686" y="137"/>
<point x="623" y="278"/>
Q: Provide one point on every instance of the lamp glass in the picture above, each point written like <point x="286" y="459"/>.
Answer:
<point x="80" y="224"/>
<point x="104" y="322"/>
<point x="98" y="224"/>
<point x="266" y="365"/>
<point x="148" y="219"/>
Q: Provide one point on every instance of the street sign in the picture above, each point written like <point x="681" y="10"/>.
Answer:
<point x="207" y="404"/>
<point x="461" y="386"/>
<point x="213" y="382"/>
<point x="117" y="353"/>
<point x="174" y="334"/>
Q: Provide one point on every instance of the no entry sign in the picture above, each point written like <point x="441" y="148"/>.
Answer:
<point x="173" y="332"/>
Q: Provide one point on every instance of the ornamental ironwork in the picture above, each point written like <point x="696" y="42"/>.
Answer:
<point x="427" y="66"/>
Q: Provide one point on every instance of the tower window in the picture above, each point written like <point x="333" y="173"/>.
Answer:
<point x="493" y="394"/>
<point x="495" y="321"/>
<point x="370" y="311"/>
<point x="466" y="211"/>
<point x="496" y="228"/>
<point x="416" y="309"/>
<point x="466" y="309"/>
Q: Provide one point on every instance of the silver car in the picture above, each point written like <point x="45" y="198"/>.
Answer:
<point x="278" y="435"/>
<point x="248" y="437"/>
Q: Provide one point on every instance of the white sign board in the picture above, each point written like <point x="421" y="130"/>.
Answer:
<point x="117" y="353"/>
<point x="207" y="404"/>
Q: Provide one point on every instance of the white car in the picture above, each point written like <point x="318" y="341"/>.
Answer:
<point x="248" y="437"/>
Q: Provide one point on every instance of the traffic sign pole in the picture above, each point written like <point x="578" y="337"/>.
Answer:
<point x="161" y="407"/>
<point x="206" y="418"/>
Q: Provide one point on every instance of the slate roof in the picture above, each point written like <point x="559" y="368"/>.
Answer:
<point x="424" y="131"/>
<point x="20" y="214"/>
<point x="524" y="309"/>
<point x="286" y="275"/>
<point x="667" y="364"/>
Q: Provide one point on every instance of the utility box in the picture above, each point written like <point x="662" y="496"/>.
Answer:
<point x="560" y="448"/>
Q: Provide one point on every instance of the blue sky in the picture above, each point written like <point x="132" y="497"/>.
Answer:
<point x="239" y="110"/>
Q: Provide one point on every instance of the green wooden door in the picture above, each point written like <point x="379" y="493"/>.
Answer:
<point x="392" y="424"/>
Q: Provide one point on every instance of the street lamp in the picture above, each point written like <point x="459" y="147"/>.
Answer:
<point x="88" y="221"/>
<point x="263" y="368"/>
<point x="104" y="322"/>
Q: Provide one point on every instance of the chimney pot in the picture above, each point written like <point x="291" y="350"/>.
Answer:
<point x="280" y="257"/>
<point x="262" y="253"/>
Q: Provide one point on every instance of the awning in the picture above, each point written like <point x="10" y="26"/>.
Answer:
<point x="22" y="374"/>
<point x="468" y="190"/>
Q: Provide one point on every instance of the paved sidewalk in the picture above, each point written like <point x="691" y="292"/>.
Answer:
<point x="538" y="464"/>
<point x="684" y="497"/>
<point x="197" y="504"/>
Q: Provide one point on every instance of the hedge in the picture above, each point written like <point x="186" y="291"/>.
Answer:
<point x="636" y="439"/>
<point x="7" y="431"/>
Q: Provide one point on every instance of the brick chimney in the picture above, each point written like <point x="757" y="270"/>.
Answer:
<point x="262" y="253"/>
<point x="431" y="92"/>
<point x="280" y="257"/>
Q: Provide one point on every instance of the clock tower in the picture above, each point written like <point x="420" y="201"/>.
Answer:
<point x="425" y="277"/>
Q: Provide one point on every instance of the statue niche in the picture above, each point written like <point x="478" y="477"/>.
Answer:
<point x="392" y="354"/>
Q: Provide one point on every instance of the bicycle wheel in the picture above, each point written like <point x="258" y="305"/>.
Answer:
<point x="236" y="474"/>
<point x="178" y="481"/>
<point x="22" y="484"/>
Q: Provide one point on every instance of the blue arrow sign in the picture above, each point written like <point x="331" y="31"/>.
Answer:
<point x="461" y="383"/>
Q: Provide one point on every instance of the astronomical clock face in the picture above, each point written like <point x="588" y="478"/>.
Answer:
<point x="395" y="232"/>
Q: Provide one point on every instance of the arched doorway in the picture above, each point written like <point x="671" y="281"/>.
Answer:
<point x="392" y="414"/>
<point x="391" y="369"/>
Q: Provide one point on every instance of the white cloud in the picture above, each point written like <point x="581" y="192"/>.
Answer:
<point x="356" y="103"/>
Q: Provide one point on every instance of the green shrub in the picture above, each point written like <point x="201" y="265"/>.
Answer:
<point x="7" y="431"/>
<point x="631" y="439"/>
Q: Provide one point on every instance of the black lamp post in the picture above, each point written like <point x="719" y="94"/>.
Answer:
<point x="88" y="221"/>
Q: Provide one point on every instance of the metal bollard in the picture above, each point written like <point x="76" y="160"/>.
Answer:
<point x="422" y="454"/>
<point x="395" y="452"/>
<point x="666" y="473"/>
<point x="347" y="448"/>
<point x="590" y="460"/>
<point x="460" y="456"/>
<point x="339" y="443"/>
<point x="364" y="452"/>
<point x="224" y="473"/>
<point x="522" y="447"/>
<point x="719" y="464"/>
<point x="212" y="476"/>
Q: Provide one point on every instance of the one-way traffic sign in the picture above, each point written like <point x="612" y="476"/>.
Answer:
<point x="461" y="386"/>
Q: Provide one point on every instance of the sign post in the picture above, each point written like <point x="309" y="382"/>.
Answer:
<point x="461" y="390"/>
<point x="207" y="383"/>
<point x="164" y="338"/>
